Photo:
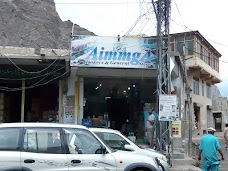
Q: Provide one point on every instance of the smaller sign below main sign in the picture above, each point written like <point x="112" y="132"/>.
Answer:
<point x="69" y="114"/>
<point x="167" y="107"/>
<point x="176" y="129"/>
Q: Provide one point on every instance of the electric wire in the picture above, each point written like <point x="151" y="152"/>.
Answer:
<point x="184" y="25"/>
<point x="29" y="72"/>
<point x="33" y="86"/>
<point x="30" y="78"/>
<point x="46" y="75"/>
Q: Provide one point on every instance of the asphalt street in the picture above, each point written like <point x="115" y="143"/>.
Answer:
<point x="224" y="164"/>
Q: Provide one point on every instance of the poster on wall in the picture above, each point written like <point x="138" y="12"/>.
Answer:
<point x="69" y="114"/>
<point x="176" y="129"/>
<point x="167" y="107"/>
<point x="113" y="52"/>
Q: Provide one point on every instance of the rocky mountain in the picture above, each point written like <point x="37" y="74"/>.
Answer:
<point x="215" y="93"/>
<point x="34" y="23"/>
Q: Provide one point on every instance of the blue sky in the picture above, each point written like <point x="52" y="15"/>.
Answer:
<point x="113" y="17"/>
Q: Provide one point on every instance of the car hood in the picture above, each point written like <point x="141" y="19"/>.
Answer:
<point x="150" y="152"/>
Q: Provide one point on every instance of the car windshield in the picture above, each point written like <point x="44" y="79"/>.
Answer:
<point x="113" y="140"/>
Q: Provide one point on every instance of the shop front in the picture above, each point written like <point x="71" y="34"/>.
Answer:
<point x="29" y="90"/>
<point x="115" y="82"/>
<point x="121" y="101"/>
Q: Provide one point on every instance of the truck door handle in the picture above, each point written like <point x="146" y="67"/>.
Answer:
<point x="75" y="161"/>
<point x="29" y="161"/>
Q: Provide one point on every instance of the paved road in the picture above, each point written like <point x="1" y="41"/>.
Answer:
<point x="224" y="164"/>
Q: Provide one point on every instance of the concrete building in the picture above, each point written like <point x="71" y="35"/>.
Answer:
<point x="202" y="63"/>
<point x="119" y="87"/>
<point x="219" y="113"/>
<point x="32" y="83"/>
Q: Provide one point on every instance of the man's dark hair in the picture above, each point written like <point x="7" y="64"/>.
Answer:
<point x="226" y="125"/>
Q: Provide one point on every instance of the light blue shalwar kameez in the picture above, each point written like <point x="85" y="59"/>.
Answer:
<point x="209" y="145"/>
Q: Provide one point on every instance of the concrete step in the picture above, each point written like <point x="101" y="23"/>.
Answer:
<point x="186" y="160"/>
<point x="178" y="154"/>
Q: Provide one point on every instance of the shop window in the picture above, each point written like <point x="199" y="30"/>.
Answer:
<point x="195" y="85"/>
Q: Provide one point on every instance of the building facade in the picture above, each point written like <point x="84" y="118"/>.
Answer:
<point x="220" y="113"/>
<point x="115" y="78"/>
<point x="202" y="63"/>
<point x="32" y="83"/>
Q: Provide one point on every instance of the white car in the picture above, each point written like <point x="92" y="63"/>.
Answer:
<point x="116" y="140"/>
<point x="62" y="147"/>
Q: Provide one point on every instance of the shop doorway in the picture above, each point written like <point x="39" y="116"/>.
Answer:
<point x="197" y="117"/>
<point x="218" y="121"/>
<point x="120" y="99"/>
<point x="118" y="112"/>
<point x="41" y="104"/>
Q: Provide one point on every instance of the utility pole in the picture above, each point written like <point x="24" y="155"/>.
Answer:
<point x="189" y="100"/>
<point x="162" y="9"/>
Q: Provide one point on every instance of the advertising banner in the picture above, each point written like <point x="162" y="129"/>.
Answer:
<point x="167" y="107"/>
<point x="114" y="52"/>
<point x="176" y="129"/>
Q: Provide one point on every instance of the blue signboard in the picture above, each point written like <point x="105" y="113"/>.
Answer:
<point x="95" y="51"/>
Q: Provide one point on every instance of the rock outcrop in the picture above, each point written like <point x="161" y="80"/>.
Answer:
<point x="34" y="23"/>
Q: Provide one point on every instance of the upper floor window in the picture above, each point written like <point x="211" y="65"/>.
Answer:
<point x="172" y="46"/>
<point x="206" y="55"/>
<point x="202" y="88"/>
<point x="179" y="48"/>
<point x="198" y="48"/>
<point x="189" y="47"/>
<point x="196" y="85"/>
<point x="212" y="61"/>
<point x="208" y="90"/>
<point x="216" y="64"/>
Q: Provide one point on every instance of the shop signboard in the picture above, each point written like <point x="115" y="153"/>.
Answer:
<point x="176" y="129"/>
<point x="167" y="107"/>
<point x="113" y="52"/>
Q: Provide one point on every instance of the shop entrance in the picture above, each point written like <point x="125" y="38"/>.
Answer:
<point x="218" y="121"/>
<point x="41" y="103"/>
<point x="117" y="109"/>
<point x="121" y="99"/>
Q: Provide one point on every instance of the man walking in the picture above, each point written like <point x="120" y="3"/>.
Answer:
<point x="150" y="128"/>
<point x="209" y="145"/>
<point x="226" y="135"/>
